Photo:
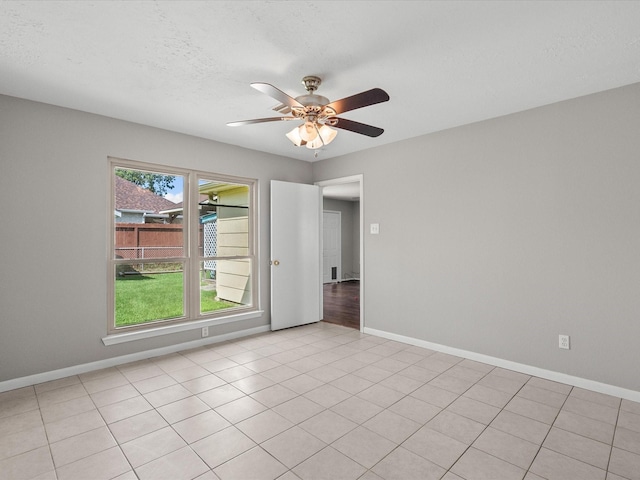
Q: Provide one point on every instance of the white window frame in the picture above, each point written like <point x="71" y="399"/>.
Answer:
<point x="192" y="318"/>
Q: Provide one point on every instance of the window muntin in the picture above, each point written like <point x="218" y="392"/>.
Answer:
<point x="180" y="262"/>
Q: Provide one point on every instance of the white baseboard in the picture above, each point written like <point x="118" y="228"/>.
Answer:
<point x="517" y="367"/>
<point x="132" y="357"/>
<point x="498" y="362"/>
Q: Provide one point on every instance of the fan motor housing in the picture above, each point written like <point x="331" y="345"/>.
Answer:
<point x="312" y="100"/>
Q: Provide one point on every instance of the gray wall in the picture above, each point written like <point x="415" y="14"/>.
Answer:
<point x="53" y="195"/>
<point x="512" y="231"/>
<point x="350" y="237"/>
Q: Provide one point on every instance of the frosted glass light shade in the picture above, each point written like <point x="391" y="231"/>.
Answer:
<point x="294" y="136"/>
<point x="327" y="133"/>
<point x="308" y="131"/>
<point x="324" y="135"/>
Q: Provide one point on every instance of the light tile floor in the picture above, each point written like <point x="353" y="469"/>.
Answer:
<point x="315" y="402"/>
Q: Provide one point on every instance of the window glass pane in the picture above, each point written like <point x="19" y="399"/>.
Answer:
<point x="148" y="292"/>
<point x="224" y="284"/>
<point x="147" y="225"/>
<point x="224" y="219"/>
<point x="153" y="265"/>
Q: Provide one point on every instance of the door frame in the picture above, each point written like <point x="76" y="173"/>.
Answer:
<point x="359" y="178"/>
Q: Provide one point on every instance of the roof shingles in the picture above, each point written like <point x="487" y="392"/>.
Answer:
<point x="130" y="196"/>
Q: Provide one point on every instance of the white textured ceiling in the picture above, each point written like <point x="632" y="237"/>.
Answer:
<point x="186" y="66"/>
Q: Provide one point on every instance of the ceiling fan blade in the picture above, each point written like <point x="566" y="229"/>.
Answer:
<point x="359" y="100"/>
<point x="277" y="94"/>
<point x="357" y="127"/>
<point x="260" y="120"/>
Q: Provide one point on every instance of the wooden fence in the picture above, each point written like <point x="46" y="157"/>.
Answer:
<point x="148" y="240"/>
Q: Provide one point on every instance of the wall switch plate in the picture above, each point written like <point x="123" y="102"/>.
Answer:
<point x="205" y="332"/>
<point x="374" y="228"/>
<point x="563" y="342"/>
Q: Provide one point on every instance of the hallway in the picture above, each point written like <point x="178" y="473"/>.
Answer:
<point x="342" y="303"/>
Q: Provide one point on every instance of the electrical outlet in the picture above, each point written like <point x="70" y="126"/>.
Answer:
<point x="205" y="332"/>
<point x="563" y="342"/>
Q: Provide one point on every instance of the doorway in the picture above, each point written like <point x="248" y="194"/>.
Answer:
<point x="342" y="295"/>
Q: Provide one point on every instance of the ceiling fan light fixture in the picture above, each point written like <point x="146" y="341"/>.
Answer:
<point x="325" y="136"/>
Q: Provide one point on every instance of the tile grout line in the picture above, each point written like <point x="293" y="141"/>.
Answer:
<point x="613" y="438"/>
<point x="548" y="432"/>
<point x="486" y="426"/>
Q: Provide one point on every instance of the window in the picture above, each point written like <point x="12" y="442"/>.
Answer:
<point x="182" y="246"/>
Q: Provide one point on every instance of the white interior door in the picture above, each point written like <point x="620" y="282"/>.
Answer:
<point x="296" y="278"/>
<point x="331" y="246"/>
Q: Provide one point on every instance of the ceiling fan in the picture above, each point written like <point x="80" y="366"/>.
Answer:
<point x="317" y="113"/>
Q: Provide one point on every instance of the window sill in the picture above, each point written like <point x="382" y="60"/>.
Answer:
<point x="117" y="338"/>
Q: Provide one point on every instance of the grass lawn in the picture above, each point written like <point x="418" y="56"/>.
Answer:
<point x="145" y="298"/>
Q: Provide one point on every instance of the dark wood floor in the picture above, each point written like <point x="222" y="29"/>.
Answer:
<point x="342" y="303"/>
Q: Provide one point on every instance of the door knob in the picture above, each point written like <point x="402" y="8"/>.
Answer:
<point x="276" y="263"/>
